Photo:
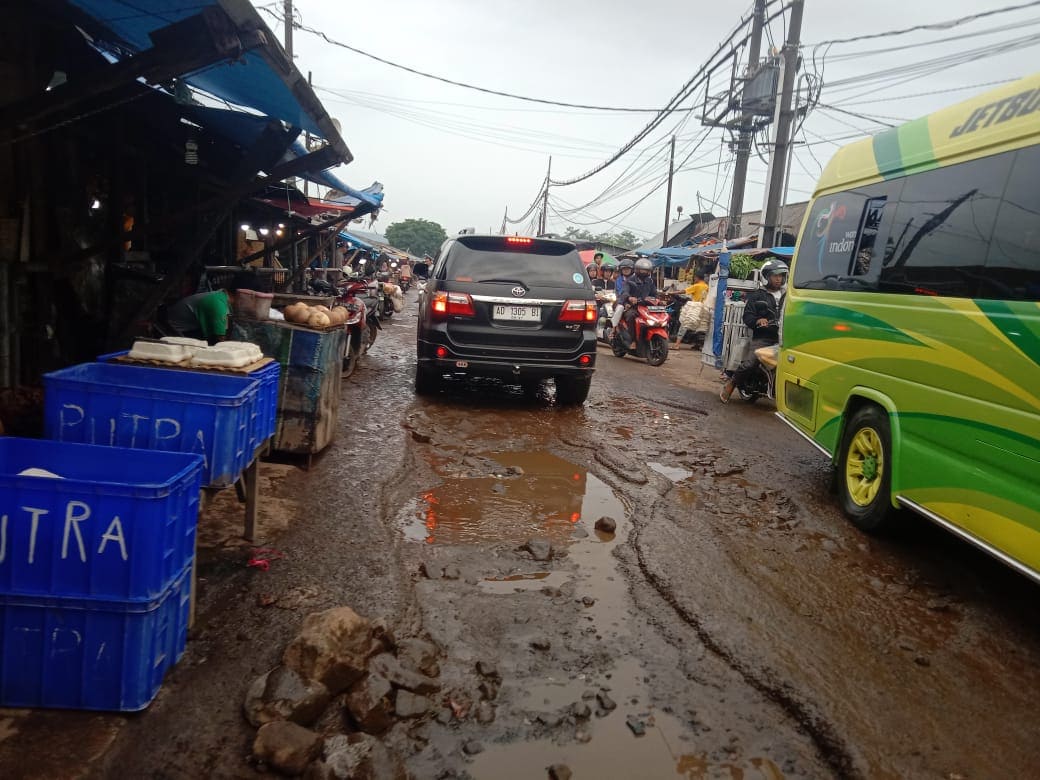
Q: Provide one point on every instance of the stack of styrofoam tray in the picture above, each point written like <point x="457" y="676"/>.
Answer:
<point x="184" y="341"/>
<point x="159" y="351"/>
<point x="248" y="347"/>
<point x="229" y="354"/>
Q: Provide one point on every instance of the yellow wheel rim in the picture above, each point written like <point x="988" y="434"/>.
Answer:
<point x="864" y="466"/>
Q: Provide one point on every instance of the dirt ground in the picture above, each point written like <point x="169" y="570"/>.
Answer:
<point x="733" y="625"/>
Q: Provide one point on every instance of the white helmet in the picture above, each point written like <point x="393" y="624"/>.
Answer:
<point x="771" y="267"/>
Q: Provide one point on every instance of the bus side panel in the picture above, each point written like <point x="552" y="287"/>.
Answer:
<point x="963" y="399"/>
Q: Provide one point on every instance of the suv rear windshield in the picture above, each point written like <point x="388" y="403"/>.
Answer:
<point x="540" y="264"/>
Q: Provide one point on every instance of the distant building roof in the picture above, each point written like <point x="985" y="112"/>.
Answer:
<point x="369" y="236"/>
<point x="678" y="232"/>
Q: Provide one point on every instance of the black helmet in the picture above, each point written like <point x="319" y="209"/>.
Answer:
<point x="771" y="267"/>
<point x="606" y="267"/>
<point x="626" y="264"/>
<point x="644" y="267"/>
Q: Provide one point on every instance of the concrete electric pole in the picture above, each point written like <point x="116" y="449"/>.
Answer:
<point x="668" y="201"/>
<point x="288" y="28"/>
<point x="747" y="126"/>
<point x="545" y="201"/>
<point x="784" y="122"/>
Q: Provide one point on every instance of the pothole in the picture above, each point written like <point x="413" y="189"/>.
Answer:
<point x="533" y="494"/>
<point x="601" y="722"/>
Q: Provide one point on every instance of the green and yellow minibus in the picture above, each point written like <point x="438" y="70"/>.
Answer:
<point x="910" y="347"/>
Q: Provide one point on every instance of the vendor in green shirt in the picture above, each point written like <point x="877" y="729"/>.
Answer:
<point x="202" y="316"/>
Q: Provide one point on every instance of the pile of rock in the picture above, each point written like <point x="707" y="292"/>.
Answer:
<point x="345" y="670"/>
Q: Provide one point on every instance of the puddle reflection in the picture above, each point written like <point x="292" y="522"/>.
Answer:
<point x="537" y="494"/>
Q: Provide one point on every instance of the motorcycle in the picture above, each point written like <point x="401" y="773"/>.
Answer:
<point x="383" y="287"/>
<point x="650" y="340"/>
<point x="607" y="300"/>
<point x="361" y="324"/>
<point x="762" y="382"/>
<point x="675" y="303"/>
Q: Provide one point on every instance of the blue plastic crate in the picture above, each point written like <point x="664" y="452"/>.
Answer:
<point x="90" y="654"/>
<point x="118" y="523"/>
<point x="269" y="377"/>
<point x="264" y="413"/>
<point x="154" y="408"/>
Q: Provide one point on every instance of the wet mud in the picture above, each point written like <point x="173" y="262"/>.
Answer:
<point x="732" y="625"/>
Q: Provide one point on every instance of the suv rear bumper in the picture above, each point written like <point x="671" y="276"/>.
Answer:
<point x="501" y="364"/>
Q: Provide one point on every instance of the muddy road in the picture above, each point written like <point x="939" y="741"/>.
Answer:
<point x="732" y="625"/>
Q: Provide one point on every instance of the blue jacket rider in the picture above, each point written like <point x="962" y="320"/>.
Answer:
<point x="635" y="288"/>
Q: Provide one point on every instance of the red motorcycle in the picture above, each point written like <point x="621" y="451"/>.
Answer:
<point x="650" y="341"/>
<point x="362" y="323"/>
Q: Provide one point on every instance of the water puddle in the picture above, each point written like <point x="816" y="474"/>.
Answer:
<point x="673" y="473"/>
<point x="534" y="494"/>
<point x="528" y="494"/>
<point x="614" y="750"/>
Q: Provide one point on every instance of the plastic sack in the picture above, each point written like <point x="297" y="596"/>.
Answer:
<point x="690" y="315"/>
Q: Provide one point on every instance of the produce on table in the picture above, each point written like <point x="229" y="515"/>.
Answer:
<point x="315" y="316"/>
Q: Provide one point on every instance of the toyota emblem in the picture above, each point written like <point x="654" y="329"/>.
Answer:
<point x="519" y="292"/>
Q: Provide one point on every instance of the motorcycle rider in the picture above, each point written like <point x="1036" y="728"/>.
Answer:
<point x="606" y="273"/>
<point x="761" y="315"/>
<point x="625" y="270"/>
<point x="636" y="288"/>
<point x="594" y="278"/>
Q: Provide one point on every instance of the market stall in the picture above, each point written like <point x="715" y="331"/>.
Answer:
<point x="308" y="345"/>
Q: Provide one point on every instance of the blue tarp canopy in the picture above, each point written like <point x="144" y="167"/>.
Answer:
<point x="263" y="79"/>
<point x="355" y="242"/>
<point x="680" y="255"/>
<point x="672" y="255"/>
<point x="244" y="129"/>
<point x="370" y="196"/>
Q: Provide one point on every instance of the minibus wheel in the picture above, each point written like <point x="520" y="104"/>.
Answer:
<point x="865" y="469"/>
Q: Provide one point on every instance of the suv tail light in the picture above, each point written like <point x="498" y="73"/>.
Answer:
<point x="523" y="240"/>
<point x="579" y="311"/>
<point x="452" y="304"/>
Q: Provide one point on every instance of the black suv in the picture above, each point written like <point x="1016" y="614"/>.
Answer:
<point x="517" y="308"/>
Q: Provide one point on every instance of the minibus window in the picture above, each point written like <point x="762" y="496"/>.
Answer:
<point x="1013" y="264"/>
<point x="942" y="230"/>
<point x="868" y="234"/>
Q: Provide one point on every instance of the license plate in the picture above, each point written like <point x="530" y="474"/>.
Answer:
<point x="517" y="313"/>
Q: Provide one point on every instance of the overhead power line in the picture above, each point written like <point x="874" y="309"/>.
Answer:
<point x="914" y="95"/>
<point x="877" y="118"/>
<point x="943" y="25"/>
<point x="486" y="90"/>
<point x="726" y="50"/>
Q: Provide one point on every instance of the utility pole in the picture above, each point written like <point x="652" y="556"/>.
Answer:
<point x="505" y="221"/>
<point x="288" y="12"/>
<point x="668" y="200"/>
<point x="785" y="119"/>
<point x="545" y="200"/>
<point x="747" y="126"/>
<point x="306" y="136"/>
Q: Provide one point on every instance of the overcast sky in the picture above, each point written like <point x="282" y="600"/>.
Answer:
<point x="461" y="157"/>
